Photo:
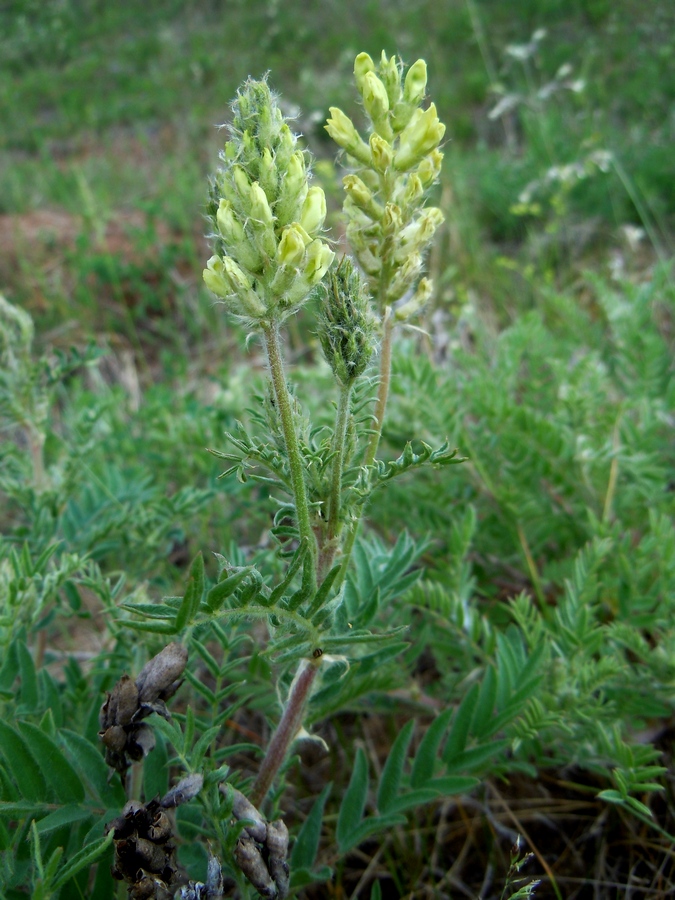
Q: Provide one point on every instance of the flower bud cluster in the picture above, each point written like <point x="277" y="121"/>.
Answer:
<point x="346" y="325"/>
<point x="267" y="219"/>
<point x="388" y="227"/>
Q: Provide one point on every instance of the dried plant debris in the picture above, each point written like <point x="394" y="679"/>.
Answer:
<point x="262" y="849"/>
<point x="145" y="855"/>
<point x="123" y="732"/>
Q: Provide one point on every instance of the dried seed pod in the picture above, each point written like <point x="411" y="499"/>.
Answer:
<point x="250" y="861"/>
<point x="277" y="845"/>
<point x="242" y="808"/>
<point x="160" y="678"/>
<point x="184" y="791"/>
<point x="121" y="704"/>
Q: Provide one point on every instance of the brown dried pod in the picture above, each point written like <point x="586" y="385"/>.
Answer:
<point x="184" y="791"/>
<point x="160" y="678"/>
<point x="140" y="741"/>
<point x="160" y="830"/>
<point x="277" y="845"/>
<point x="242" y="808"/>
<point x="121" y="704"/>
<point x="250" y="861"/>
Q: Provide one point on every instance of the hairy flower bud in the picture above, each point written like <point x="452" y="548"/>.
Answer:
<point x="417" y="302"/>
<point x="291" y="249"/>
<point x="391" y="78"/>
<point x="313" y="210"/>
<point x="346" y="325"/>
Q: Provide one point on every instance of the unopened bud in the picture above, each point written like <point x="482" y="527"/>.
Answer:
<point x="430" y="168"/>
<point x="291" y="249"/>
<point x="362" y="196"/>
<point x="376" y="103"/>
<point x="341" y="128"/>
<point x="415" y="83"/>
<point x="318" y="260"/>
<point x="363" y="64"/>
<point x="235" y="237"/>
<point x="293" y="190"/>
<point x="392" y="220"/>
<point x="422" y="135"/>
<point x="313" y="210"/>
<point x="391" y="78"/>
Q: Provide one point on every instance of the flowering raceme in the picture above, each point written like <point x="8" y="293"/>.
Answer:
<point x="388" y="228"/>
<point x="267" y="219"/>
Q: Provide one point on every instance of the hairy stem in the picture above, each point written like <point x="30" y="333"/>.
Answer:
<point x="329" y="548"/>
<point x="383" y="388"/>
<point x="271" y="335"/>
<point x="287" y="729"/>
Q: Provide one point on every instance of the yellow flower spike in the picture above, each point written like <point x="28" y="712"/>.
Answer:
<point x="421" y="135"/>
<point x="291" y="249"/>
<point x="313" y="212"/>
<point x="343" y="131"/>
<point x="415" y="83"/>
<point x="363" y="64"/>
<point x="381" y="153"/>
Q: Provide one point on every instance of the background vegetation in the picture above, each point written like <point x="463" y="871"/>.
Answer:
<point x="546" y="357"/>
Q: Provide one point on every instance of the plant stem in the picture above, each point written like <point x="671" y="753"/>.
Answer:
<point x="272" y="345"/>
<point x="334" y="526"/>
<point x="383" y="388"/>
<point x="286" y="731"/>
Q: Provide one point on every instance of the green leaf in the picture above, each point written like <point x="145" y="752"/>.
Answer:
<point x="193" y="593"/>
<point x="156" y="769"/>
<point x="460" y="727"/>
<point x="473" y="759"/>
<point x="427" y="752"/>
<point x="65" y="815"/>
<point x="390" y="782"/>
<point x="85" y="857"/>
<point x="353" y="802"/>
<point x="448" y="785"/>
<point x="307" y="842"/>
<point x="21" y="764"/>
<point x="370" y="826"/>
<point x="29" y="687"/>
<point x="411" y="799"/>
<point x="65" y="781"/>
<point x="88" y="760"/>
<point x="225" y="588"/>
<point x="9" y="670"/>
<point x="486" y="702"/>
